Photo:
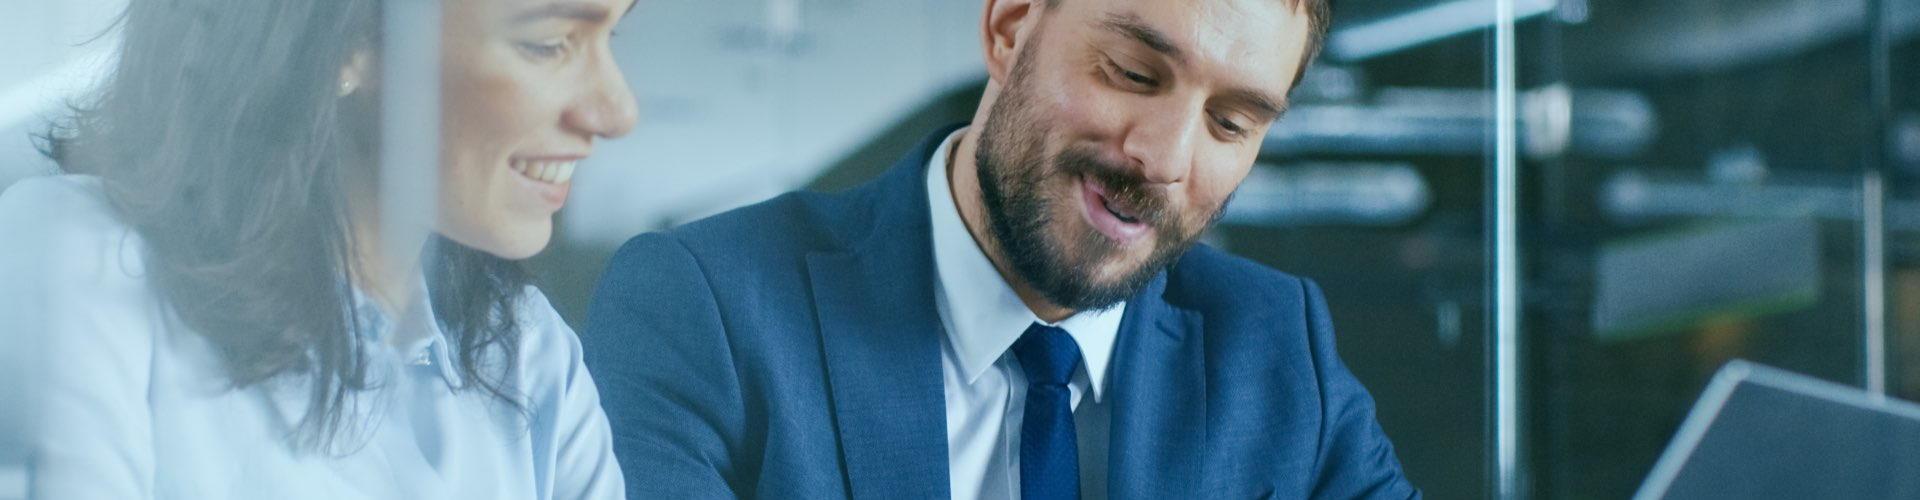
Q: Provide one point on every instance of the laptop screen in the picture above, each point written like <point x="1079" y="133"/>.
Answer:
<point x="1759" y="432"/>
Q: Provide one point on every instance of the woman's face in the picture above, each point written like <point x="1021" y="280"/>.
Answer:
<point x="526" y="85"/>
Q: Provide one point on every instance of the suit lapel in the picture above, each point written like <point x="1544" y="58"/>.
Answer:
<point x="1159" y="431"/>
<point x="880" y="333"/>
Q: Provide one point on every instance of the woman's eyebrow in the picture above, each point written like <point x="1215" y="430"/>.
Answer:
<point x="580" y="11"/>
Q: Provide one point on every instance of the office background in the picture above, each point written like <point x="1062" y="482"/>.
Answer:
<point x="1697" y="181"/>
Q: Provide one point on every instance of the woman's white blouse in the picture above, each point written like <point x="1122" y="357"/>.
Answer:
<point x="130" y="404"/>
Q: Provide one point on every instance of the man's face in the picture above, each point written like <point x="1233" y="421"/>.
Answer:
<point x="1122" y="131"/>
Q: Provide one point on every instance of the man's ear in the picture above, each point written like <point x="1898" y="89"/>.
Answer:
<point x="1003" y="28"/>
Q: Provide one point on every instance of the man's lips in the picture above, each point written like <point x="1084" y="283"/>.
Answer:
<point x="1118" y="221"/>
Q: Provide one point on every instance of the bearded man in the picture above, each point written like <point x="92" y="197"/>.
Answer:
<point x="1018" y="308"/>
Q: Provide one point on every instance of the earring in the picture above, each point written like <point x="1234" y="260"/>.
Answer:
<point x="347" y="85"/>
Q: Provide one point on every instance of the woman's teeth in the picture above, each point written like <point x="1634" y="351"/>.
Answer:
<point x="548" y="172"/>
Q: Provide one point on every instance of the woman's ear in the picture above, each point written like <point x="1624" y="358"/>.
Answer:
<point x="357" y="73"/>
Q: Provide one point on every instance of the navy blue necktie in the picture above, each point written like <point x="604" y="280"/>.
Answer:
<point x="1049" y="453"/>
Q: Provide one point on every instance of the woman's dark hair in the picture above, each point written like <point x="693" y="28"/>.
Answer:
<point x="223" y="142"/>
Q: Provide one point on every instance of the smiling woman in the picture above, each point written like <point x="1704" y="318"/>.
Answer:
<point x="210" y="273"/>
<point x="530" y="84"/>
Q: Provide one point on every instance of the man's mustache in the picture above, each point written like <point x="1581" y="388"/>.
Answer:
<point x="1146" y="200"/>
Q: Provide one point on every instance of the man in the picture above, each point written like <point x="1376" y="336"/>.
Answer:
<point x="1017" y="309"/>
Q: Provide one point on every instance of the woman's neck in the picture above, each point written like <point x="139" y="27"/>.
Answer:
<point x="386" y="264"/>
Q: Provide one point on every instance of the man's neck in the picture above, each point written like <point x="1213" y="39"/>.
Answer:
<point x="963" y="180"/>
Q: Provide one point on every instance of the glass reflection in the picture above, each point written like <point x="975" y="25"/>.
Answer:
<point x="248" y="241"/>
<point x="211" y="273"/>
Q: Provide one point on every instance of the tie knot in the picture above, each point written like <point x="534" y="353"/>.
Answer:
<point x="1047" y="354"/>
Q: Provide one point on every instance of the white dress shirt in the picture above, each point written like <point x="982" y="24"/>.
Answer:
<point x="133" y="404"/>
<point x="985" y="387"/>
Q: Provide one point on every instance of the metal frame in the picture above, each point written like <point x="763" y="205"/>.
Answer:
<point x="1873" y="199"/>
<point x="1509" y="467"/>
<point x="409" y="125"/>
<point x="1873" y="281"/>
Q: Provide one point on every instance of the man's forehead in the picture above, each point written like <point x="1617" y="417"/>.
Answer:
<point x="1258" y="42"/>
<point x="1267" y="22"/>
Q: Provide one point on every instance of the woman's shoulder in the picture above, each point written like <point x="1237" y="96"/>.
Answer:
<point x="76" y="192"/>
<point x="64" y="224"/>
<point x="77" y="292"/>
<point x="550" y="364"/>
<point x="547" y="343"/>
<point x="58" y="205"/>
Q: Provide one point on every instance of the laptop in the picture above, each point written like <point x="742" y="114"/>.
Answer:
<point x="1762" y="433"/>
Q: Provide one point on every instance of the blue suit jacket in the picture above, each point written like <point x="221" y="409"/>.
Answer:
<point x="791" y="349"/>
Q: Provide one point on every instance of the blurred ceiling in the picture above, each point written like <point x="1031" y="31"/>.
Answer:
<point x="743" y="100"/>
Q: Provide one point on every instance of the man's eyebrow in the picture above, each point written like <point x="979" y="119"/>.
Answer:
<point x="579" y="11"/>
<point x="1131" y="26"/>
<point x="1271" y="107"/>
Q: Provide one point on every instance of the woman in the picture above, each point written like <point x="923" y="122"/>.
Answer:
<point x="215" y="316"/>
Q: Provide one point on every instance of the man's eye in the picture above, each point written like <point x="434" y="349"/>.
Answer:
<point x="1227" y="124"/>
<point x="1130" y="77"/>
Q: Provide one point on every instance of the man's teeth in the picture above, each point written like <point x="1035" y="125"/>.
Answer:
<point x="1122" y="215"/>
<point x="558" y="172"/>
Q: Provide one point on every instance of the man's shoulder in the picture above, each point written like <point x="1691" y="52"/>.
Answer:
<point x="762" y="236"/>
<point x="798" y="219"/>
<point x="783" y="230"/>
<point x="1212" y="278"/>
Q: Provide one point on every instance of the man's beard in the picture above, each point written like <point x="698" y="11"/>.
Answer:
<point x="1058" y="258"/>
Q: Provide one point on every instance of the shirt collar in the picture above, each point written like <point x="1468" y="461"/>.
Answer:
<point x="426" y="340"/>
<point x="982" y="313"/>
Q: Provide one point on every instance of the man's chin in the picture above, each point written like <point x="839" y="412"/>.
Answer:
<point x="1112" y="275"/>
<point x="1098" y="285"/>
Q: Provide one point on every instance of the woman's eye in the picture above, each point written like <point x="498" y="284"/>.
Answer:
<point x="548" y="49"/>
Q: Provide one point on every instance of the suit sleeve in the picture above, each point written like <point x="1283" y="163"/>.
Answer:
<point x="1356" y="460"/>
<point x="656" y="344"/>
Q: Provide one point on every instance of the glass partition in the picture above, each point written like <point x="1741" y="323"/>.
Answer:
<point x="1900" y="24"/>
<point x="1377" y="184"/>
<point x="1541" y="225"/>
<point x="1713" y="188"/>
<point x="1901" y="20"/>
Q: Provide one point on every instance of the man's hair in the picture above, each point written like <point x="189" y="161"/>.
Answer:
<point x="1319" y="14"/>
